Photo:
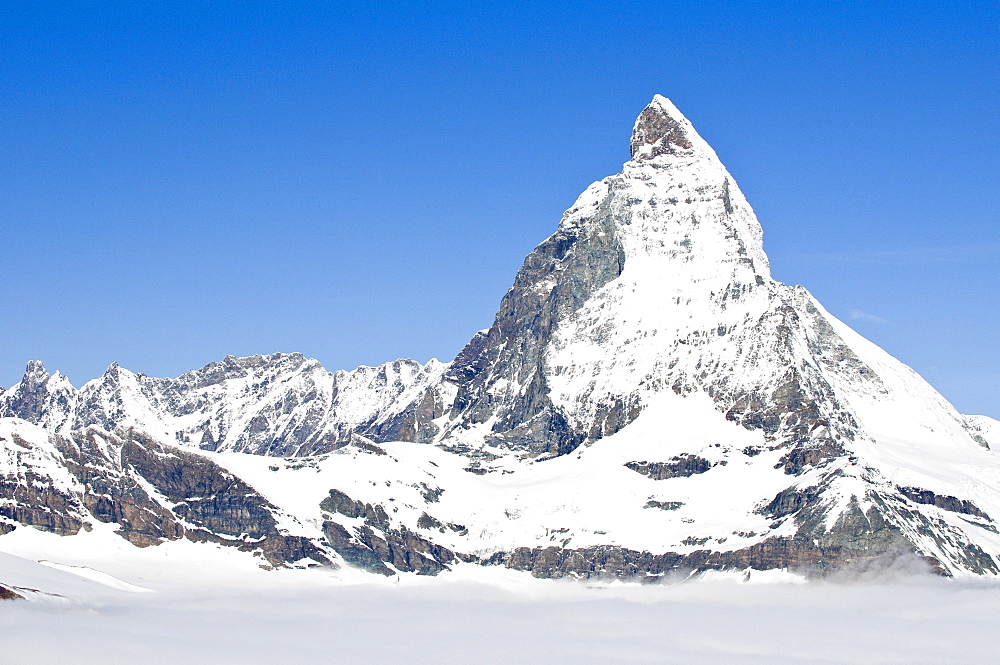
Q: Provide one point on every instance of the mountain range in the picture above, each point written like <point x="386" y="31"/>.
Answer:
<point x="648" y="400"/>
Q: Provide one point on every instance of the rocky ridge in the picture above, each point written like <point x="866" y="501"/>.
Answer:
<point x="278" y="405"/>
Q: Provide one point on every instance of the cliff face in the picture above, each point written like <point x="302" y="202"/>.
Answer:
<point x="647" y="399"/>
<point x="150" y="492"/>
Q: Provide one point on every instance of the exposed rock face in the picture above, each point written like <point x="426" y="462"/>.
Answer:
<point x="687" y="411"/>
<point x="858" y="541"/>
<point x="927" y="497"/>
<point x="152" y="492"/>
<point x="8" y="594"/>
<point x="799" y="554"/>
<point x="502" y="376"/>
<point x="658" y="132"/>
<point x="31" y="493"/>
<point x="679" y="467"/>
<point x="376" y="543"/>
<point x="30" y="500"/>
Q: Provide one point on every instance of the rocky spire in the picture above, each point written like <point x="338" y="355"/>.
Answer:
<point x="29" y="399"/>
<point x="660" y="129"/>
<point x="35" y="375"/>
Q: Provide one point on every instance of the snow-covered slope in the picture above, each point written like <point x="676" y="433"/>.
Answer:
<point x="984" y="429"/>
<point x="647" y="399"/>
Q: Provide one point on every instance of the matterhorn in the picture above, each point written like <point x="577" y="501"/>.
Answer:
<point x="648" y="400"/>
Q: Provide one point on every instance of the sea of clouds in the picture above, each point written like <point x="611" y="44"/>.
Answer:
<point x="900" y="615"/>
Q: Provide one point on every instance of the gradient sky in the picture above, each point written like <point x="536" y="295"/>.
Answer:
<point x="361" y="181"/>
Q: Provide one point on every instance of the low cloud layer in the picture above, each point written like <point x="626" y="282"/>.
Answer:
<point x="901" y="617"/>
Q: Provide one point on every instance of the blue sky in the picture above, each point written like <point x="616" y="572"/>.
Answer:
<point x="361" y="181"/>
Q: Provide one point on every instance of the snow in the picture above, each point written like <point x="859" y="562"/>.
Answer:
<point x="97" y="576"/>
<point x="583" y="499"/>
<point x="986" y="427"/>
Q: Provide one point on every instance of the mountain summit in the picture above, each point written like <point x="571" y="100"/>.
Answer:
<point x="647" y="399"/>
<point x="660" y="129"/>
<point x="602" y="314"/>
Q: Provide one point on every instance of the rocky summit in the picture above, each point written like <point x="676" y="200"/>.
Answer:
<point x="647" y="400"/>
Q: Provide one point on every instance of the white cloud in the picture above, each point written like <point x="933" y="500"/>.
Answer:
<point x="858" y="315"/>
<point x="914" y="619"/>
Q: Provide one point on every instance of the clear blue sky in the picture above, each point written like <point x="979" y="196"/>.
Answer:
<point x="360" y="181"/>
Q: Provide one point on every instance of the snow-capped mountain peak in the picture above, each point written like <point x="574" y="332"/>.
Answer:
<point x="690" y="411"/>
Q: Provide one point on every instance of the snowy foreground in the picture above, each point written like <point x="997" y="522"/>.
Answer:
<point x="226" y="610"/>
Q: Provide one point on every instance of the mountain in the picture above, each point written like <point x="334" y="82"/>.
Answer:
<point x="648" y="399"/>
<point x="279" y="405"/>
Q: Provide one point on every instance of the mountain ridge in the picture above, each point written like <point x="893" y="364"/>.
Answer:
<point x="644" y="374"/>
